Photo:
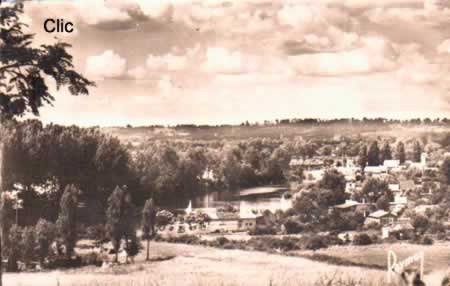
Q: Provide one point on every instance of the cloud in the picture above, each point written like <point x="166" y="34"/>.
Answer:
<point x="106" y="65"/>
<point x="221" y="60"/>
<point x="137" y="73"/>
<point x="444" y="47"/>
<point x="167" y="62"/>
<point x="375" y="55"/>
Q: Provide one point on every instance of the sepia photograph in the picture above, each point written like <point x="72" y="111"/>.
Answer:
<point x="224" y="142"/>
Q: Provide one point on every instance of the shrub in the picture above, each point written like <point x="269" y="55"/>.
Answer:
<point x="316" y="242"/>
<point x="92" y="258"/>
<point x="293" y="226"/>
<point x="263" y="230"/>
<point x="362" y="239"/>
<point x="185" y="238"/>
<point x="64" y="262"/>
<point x="286" y="244"/>
<point x="222" y="240"/>
<point x="96" y="232"/>
<point x="426" y="240"/>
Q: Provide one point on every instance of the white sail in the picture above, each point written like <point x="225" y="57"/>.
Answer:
<point x="189" y="208"/>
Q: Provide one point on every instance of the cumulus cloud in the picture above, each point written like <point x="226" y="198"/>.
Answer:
<point x="375" y="55"/>
<point x="137" y="73"/>
<point x="444" y="47"/>
<point x="220" y="60"/>
<point x="107" y="65"/>
<point x="167" y="62"/>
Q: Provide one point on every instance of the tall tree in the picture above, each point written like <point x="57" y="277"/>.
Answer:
<point x="373" y="155"/>
<point x="29" y="244"/>
<point x="362" y="157"/>
<point x="401" y="154"/>
<point x="67" y="220"/>
<point x="45" y="234"/>
<point x="417" y="152"/>
<point x="386" y="153"/>
<point x="6" y="218"/>
<point x="148" y="224"/>
<point x="15" y="248"/>
<point x="445" y="171"/>
<point x="25" y="70"/>
<point x="119" y="218"/>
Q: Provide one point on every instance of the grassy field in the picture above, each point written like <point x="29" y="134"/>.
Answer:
<point x="178" y="264"/>
<point x="437" y="256"/>
<point x="197" y="265"/>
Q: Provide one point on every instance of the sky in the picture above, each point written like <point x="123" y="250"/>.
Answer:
<point x="225" y="62"/>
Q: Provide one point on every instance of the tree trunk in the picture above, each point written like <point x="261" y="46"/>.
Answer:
<point x="126" y="249"/>
<point x="147" y="258"/>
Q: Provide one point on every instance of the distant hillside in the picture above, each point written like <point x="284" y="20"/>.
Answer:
<point x="134" y="135"/>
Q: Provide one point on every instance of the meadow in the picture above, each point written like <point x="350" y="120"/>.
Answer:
<point x="437" y="256"/>
<point x="179" y="264"/>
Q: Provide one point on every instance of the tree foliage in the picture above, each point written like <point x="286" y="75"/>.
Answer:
<point x="401" y="154"/>
<point x="67" y="219"/>
<point x="385" y="153"/>
<point x="373" y="155"/>
<point x="25" y="69"/>
<point x="45" y="235"/>
<point x="119" y="217"/>
<point x="59" y="156"/>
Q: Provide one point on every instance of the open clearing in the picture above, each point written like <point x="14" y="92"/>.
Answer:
<point x="198" y="265"/>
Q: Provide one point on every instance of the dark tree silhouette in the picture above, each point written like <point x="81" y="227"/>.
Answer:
<point x="362" y="157"/>
<point x="373" y="155"/>
<point x="149" y="223"/>
<point x="67" y="220"/>
<point x="401" y="155"/>
<point x="119" y="216"/>
<point x="386" y="153"/>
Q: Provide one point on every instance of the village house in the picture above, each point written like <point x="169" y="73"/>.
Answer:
<point x="394" y="187"/>
<point x="398" y="230"/>
<point x="391" y="164"/>
<point x="422" y="209"/>
<point x="307" y="164"/>
<point x="380" y="217"/>
<point x="407" y="186"/>
<point x="218" y="221"/>
<point x="354" y="206"/>
<point x="230" y="222"/>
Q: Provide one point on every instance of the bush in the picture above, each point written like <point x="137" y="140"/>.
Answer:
<point x="92" y="258"/>
<point x="96" y="232"/>
<point x="185" y="238"/>
<point x="293" y="227"/>
<point x="222" y="240"/>
<point x="362" y="239"/>
<point x="286" y="244"/>
<point x="263" y="230"/>
<point x="316" y="242"/>
<point x="426" y="240"/>
<point x="63" y="262"/>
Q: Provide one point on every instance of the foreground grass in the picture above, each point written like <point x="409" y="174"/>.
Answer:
<point x="198" y="265"/>
<point x="437" y="256"/>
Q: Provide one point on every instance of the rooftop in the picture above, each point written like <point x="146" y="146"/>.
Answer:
<point x="262" y="191"/>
